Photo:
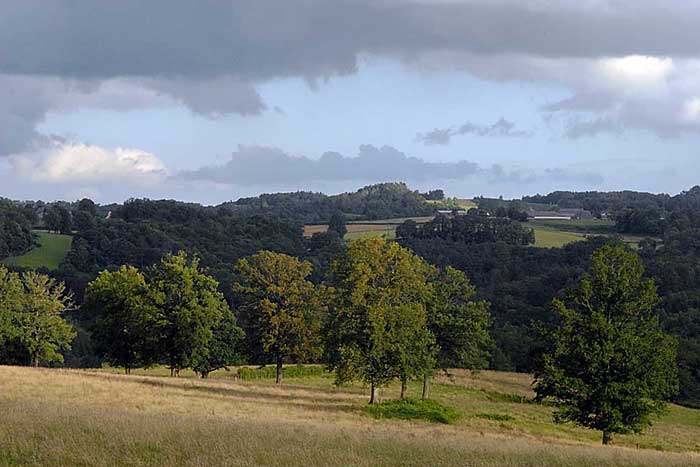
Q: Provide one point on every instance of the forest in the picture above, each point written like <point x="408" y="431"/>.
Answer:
<point x="518" y="280"/>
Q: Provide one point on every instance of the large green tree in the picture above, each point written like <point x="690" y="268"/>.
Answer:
<point x="281" y="310"/>
<point x="40" y="327"/>
<point x="188" y="308"/>
<point x="11" y="295"/>
<point x="120" y="304"/>
<point x="610" y="367"/>
<point x="459" y="323"/>
<point x="376" y="329"/>
<point x="224" y="348"/>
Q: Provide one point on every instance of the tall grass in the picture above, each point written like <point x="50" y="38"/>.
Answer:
<point x="80" y="418"/>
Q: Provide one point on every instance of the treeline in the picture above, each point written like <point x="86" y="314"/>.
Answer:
<point x="633" y="212"/>
<point x="382" y="314"/>
<point x="15" y="229"/>
<point x="472" y="228"/>
<point x="380" y="201"/>
<point x="141" y="232"/>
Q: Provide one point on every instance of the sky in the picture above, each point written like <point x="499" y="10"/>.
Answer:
<point x="214" y="100"/>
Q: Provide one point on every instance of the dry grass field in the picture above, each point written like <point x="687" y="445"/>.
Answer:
<point x="386" y="227"/>
<point x="100" y="418"/>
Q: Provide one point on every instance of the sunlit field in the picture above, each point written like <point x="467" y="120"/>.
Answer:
<point x="49" y="254"/>
<point x="95" y="418"/>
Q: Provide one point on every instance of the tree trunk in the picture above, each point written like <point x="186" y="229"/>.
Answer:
<point x="127" y="370"/>
<point x="426" y="386"/>
<point x="172" y="372"/>
<point x="205" y="374"/>
<point x="36" y="360"/>
<point x="278" y="379"/>
<point x="607" y="437"/>
<point x="403" y="388"/>
<point x="374" y="394"/>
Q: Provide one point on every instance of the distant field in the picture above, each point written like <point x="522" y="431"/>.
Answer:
<point x="589" y="226"/>
<point x="92" y="418"/>
<point x="49" y="254"/>
<point x="389" y="233"/>
<point x="454" y="203"/>
<point x="545" y="238"/>
<point x="359" y="229"/>
<point x="396" y="220"/>
<point x="548" y="233"/>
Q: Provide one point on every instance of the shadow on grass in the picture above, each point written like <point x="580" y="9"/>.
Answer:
<point x="275" y="395"/>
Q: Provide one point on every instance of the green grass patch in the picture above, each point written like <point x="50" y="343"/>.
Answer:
<point x="412" y="409"/>
<point x="588" y="226"/>
<point x="453" y="203"/>
<point x="389" y="234"/>
<point x="270" y="372"/>
<point x="49" y="254"/>
<point x="554" y="239"/>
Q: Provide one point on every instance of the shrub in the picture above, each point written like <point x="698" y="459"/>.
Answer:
<point x="410" y="409"/>
<point x="270" y="372"/>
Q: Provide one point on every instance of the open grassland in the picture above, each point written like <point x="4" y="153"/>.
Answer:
<point x="547" y="238"/>
<point x="576" y="228"/>
<point x="49" y="254"/>
<point x="548" y="233"/>
<point x="360" y="229"/>
<point x="99" y="418"/>
<point x="454" y="203"/>
<point x="587" y="226"/>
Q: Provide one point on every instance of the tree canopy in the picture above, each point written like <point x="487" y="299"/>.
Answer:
<point x="376" y="330"/>
<point x="280" y="309"/>
<point x="610" y="367"/>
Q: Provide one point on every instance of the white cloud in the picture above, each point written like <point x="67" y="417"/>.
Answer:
<point x="82" y="163"/>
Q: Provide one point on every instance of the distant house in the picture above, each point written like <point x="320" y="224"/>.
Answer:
<point x="556" y="215"/>
<point x="448" y="212"/>
<point x="577" y="213"/>
<point x="562" y="214"/>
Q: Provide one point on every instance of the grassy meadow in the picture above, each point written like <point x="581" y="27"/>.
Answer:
<point x="361" y="229"/>
<point x="49" y="254"/>
<point x="546" y="238"/>
<point x="99" y="418"/>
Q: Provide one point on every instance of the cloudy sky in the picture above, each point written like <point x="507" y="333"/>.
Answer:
<point x="213" y="100"/>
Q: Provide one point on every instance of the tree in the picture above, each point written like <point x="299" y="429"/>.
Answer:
<point x="88" y="206"/>
<point x="188" y="307"/>
<point x="610" y="366"/>
<point x="121" y="305"/>
<point x="84" y="218"/>
<point x="11" y="295"/>
<point x="223" y="349"/>
<point x="411" y="346"/>
<point x="458" y="322"/>
<point x="52" y="218"/>
<point x="376" y="329"/>
<point x="282" y="311"/>
<point x="408" y="229"/>
<point x="337" y="224"/>
<point x="66" y="225"/>
<point x="41" y="329"/>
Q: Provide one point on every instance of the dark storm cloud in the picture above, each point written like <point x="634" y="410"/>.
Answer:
<point x="500" y="128"/>
<point x="255" y="39"/>
<point x="210" y="55"/>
